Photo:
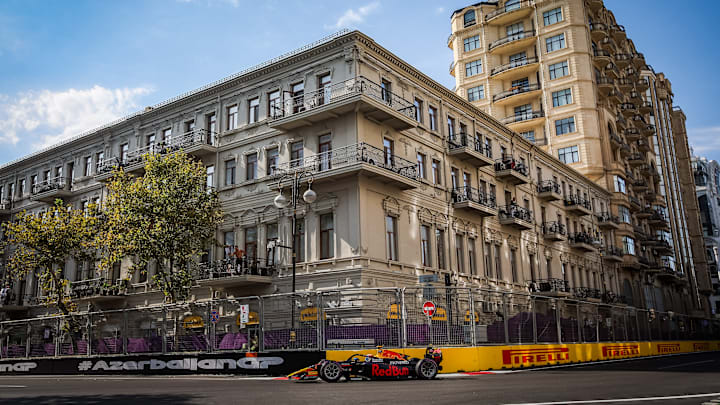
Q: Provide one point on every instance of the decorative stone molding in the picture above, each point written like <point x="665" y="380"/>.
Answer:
<point x="391" y="206"/>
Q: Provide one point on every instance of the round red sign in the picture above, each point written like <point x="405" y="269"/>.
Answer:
<point x="428" y="308"/>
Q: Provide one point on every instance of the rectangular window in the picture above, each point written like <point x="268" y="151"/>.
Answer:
<point x="498" y="262"/>
<point x="99" y="158"/>
<point x="418" y="110"/>
<point x="210" y="176"/>
<point x="88" y="166"/>
<point x="561" y="97"/>
<point x="251" y="166"/>
<point x="451" y="126"/>
<point x="440" y="247"/>
<point x="514" y="29"/>
<point x="254" y="110"/>
<point x="232" y="116"/>
<point x="271" y="235"/>
<point x="569" y="154"/>
<point x="624" y="214"/>
<point x="167" y="134"/>
<point x="432" y="112"/>
<point x="189" y="126"/>
<point x="325" y="89"/>
<point x="251" y="243"/>
<point x="274" y="107"/>
<point x="33" y="182"/>
<point x="529" y="135"/>
<point x="553" y="16"/>
<point x="325" y="152"/>
<point x="559" y="69"/>
<point x="469" y="18"/>
<point x="619" y="184"/>
<point x="425" y="245"/>
<point x="273" y="156"/>
<point x="327" y="236"/>
<point x="229" y="242"/>
<point x="437" y="178"/>
<point x="513" y="265"/>
<point x="473" y="68"/>
<point x="471" y="43"/>
<point x="488" y="260"/>
<point x="476" y="93"/>
<point x="21" y="188"/>
<point x="296" y="154"/>
<point x="386" y="90"/>
<point x="471" y="256"/>
<point x="391" y="237"/>
<point x="229" y="172"/>
<point x="211" y="127"/>
<point x="389" y="151"/>
<point x="124" y="152"/>
<point x="421" y="165"/>
<point x="300" y="240"/>
<point x="298" y="97"/>
<point x="565" y="126"/>
<point x="629" y="245"/>
<point x="555" y="42"/>
<point x="459" y="256"/>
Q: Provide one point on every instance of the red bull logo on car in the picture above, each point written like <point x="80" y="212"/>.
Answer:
<point x="610" y="351"/>
<point x="533" y="356"/>
<point x="390" y="371"/>
<point x="665" y="348"/>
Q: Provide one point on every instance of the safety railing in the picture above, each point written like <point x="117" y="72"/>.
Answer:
<point x="462" y="140"/>
<point x="549" y="185"/>
<point x="467" y="193"/>
<point x="55" y="183"/>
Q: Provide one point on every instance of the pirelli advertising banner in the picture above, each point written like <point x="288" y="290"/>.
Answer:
<point x="280" y="363"/>
<point x="468" y="359"/>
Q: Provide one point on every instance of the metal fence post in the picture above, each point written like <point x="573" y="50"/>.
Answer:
<point x="1" y="340"/>
<point x="533" y="310"/>
<point x="597" y="322"/>
<point x="557" y="321"/>
<point x="56" y="338"/>
<point x="403" y="319"/>
<point x="164" y="329"/>
<point x="261" y="326"/>
<point x="320" y="321"/>
<point x="505" y="320"/>
<point x="89" y="333"/>
<point x="125" y="331"/>
<point x="27" y="339"/>
<point x="473" y="338"/>
<point x="209" y="327"/>
<point x="580" y="337"/>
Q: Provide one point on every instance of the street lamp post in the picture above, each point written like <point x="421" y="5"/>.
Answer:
<point x="281" y="202"/>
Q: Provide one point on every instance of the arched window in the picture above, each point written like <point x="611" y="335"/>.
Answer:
<point x="469" y="18"/>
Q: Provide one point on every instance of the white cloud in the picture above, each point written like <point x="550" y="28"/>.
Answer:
<point x="43" y="118"/>
<point x="354" y="17"/>
<point x="705" y="141"/>
<point x="440" y="10"/>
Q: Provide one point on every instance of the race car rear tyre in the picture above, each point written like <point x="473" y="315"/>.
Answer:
<point x="330" y="372"/>
<point x="426" y="369"/>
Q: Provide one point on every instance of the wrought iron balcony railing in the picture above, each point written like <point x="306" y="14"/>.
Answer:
<point x="508" y="8"/>
<point x="462" y="140"/>
<point x="339" y="91"/>
<point x="232" y="267"/>
<point x="516" y="90"/>
<point x="468" y="193"/>
<point x="571" y="200"/>
<point x="553" y="227"/>
<point x="513" y="64"/>
<point x="97" y="287"/>
<point x="612" y="251"/>
<point x="511" y="38"/>
<point x="607" y="217"/>
<point x="523" y="116"/>
<point x="55" y="183"/>
<point x="350" y="155"/>
<point x="509" y="163"/>
<point x="553" y="285"/>
<point x="583" y="237"/>
<point x="587" y="292"/>
<point x="549" y="185"/>
<point x="517" y="212"/>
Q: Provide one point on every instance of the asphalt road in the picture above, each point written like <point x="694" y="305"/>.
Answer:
<point x="658" y="377"/>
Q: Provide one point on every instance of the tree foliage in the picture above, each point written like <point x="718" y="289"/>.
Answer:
<point x="42" y="242"/>
<point x="168" y="216"/>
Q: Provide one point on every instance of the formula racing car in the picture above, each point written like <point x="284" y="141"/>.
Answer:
<point x="383" y="365"/>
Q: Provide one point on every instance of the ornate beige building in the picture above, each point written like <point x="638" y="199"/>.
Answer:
<point x="412" y="180"/>
<point x="567" y="77"/>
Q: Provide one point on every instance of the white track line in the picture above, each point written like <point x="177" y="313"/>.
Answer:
<point x="13" y="386"/>
<point x="598" y="401"/>
<point x="685" y="364"/>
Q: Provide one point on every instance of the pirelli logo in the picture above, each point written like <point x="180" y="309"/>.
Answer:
<point x="611" y="351"/>
<point x="701" y="347"/>
<point x="532" y="356"/>
<point x="668" y="347"/>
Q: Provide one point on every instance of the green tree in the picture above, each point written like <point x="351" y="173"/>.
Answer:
<point x="41" y="243"/>
<point x="167" y="216"/>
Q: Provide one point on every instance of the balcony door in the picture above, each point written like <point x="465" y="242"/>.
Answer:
<point x="324" y="151"/>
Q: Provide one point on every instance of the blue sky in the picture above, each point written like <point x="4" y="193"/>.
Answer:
<point x="70" y="66"/>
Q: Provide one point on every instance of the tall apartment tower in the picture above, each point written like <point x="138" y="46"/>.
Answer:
<point x="707" y="186"/>
<point x="566" y="76"/>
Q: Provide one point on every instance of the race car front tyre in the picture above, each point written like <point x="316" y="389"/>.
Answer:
<point x="330" y="372"/>
<point x="426" y="369"/>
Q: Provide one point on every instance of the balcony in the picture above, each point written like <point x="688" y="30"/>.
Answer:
<point x="348" y="161"/>
<point x="588" y="294"/>
<point x="639" y="60"/>
<point x="554" y="231"/>
<point x="639" y="186"/>
<point x="516" y="216"/>
<point x="631" y="134"/>
<point x="660" y="245"/>
<point x="524" y="120"/>
<point x="639" y="232"/>
<point x="627" y="109"/>
<point x="105" y="168"/>
<point x="605" y="85"/>
<point x="608" y="221"/>
<point x="643" y="145"/>
<point x="467" y="148"/>
<point x="577" y="205"/>
<point x="642" y="84"/>
<point x="515" y="69"/>
<point x="667" y="274"/>
<point x="611" y="71"/>
<point x="549" y="190"/>
<point x="634" y="203"/>
<point x="356" y="94"/>
<point x="518" y="94"/>
<point x="98" y="290"/>
<point x="512" y="43"/>
<point x="623" y="59"/>
<point x="598" y="31"/>
<point x="229" y="273"/>
<point x="648" y="129"/>
<point x="636" y="159"/>
<point x="474" y="201"/>
<point x="615" y="140"/>
<point x="644" y="213"/>
<point x="198" y="142"/>
<point x="601" y="58"/>
<point x="553" y="287"/>
<point x="50" y="190"/>
<point x="612" y="254"/>
<point x="660" y="265"/>
<point x="508" y="170"/>
<point x="635" y="97"/>
<point x="625" y="150"/>
<point x="609" y="45"/>
<point x="646" y="107"/>
<point x="625" y="84"/>
<point x="583" y="241"/>
<point x="509" y="13"/>
<point x="630" y="261"/>
<point x="658" y="220"/>
<point x="618" y="33"/>
<point x="594" y="5"/>
<point x="13" y="303"/>
<point x="616" y="97"/>
<point x="5" y="207"/>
